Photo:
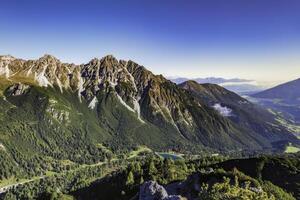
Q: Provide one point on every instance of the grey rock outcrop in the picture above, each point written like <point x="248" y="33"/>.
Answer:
<point x="18" y="89"/>
<point x="151" y="190"/>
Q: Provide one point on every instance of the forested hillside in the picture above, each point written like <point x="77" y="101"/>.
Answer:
<point x="213" y="178"/>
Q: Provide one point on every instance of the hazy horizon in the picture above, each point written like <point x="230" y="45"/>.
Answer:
<point x="257" y="40"/>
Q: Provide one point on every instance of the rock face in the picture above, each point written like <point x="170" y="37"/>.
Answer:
<point x="18" y="89"/>
<point x="130" y="104"/>
<point x="151" y="190"/>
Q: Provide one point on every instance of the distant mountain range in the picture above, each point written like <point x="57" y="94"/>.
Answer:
<point x="213" y="80"/>
<point x="287" y="92"/>
<point x="241" y="86"/>
<point x="52" y="111"/>
<point x="284" y="98"/>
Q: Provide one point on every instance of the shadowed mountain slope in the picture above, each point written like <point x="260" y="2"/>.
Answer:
<point x="255" y="119"/>
<point x="287" y="92"/>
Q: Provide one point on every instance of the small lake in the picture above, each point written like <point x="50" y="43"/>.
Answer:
<point x="169" y="155"/>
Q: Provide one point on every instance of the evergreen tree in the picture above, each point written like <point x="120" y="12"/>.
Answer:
<point x="130" y="179"/>
<point x="152" y="168"/>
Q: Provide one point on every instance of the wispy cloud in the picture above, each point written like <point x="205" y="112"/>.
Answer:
<point x="223" y="110"/>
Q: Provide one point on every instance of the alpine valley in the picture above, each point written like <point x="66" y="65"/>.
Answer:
<point x="61" y="120"/>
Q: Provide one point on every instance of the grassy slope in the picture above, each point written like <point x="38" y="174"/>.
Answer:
<point x="291" y="149"/>
<point x="36" y="138"/>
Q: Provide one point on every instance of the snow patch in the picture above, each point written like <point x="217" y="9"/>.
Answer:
<point x="93" y="103"/>
<point x="223" y="110"/>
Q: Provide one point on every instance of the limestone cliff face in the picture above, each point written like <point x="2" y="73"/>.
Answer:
<point x="132" y="84"/>
<point x="169" y="111"/>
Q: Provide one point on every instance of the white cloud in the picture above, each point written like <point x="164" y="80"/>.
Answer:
<point x="224" y="111"/>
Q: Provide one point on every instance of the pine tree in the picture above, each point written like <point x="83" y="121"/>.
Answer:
<point x="141" y="180"/>
<point x="152" y="168"/>
<point x="130" y="179"/>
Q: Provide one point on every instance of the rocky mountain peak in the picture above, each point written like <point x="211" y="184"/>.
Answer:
<point x="189" y="83"/>
<point x="49" y="58"/>
<point x="148" y="97"/>
<point x="109" y="58"/>
<point x="131" y="83"/>
<point x="7" y="57"/>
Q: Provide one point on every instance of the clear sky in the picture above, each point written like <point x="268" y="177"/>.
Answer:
<point x="254" y="39"/>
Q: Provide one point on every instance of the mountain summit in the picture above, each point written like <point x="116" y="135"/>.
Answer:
<point x="49" y="107"/>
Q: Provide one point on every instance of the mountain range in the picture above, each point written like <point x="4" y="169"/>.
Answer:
<point x="240" y="86"/>
<point x="239" y="110"/>
<point x="214" y="80"/>
<point x="287" y="92"/>
<point x="284" y="98"/>
<point x="59" y="111"/>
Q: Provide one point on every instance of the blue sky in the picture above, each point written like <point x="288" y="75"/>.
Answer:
<point x="254" y="39"/>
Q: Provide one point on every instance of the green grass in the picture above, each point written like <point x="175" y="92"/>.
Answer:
<point x="139" y="150"/>
<point x="290" y="126"/>
<point x="13" y="180"/>
<point x="9" y="181"/>
<point x="65" y="197"/>
<point x="291" y="149"/>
